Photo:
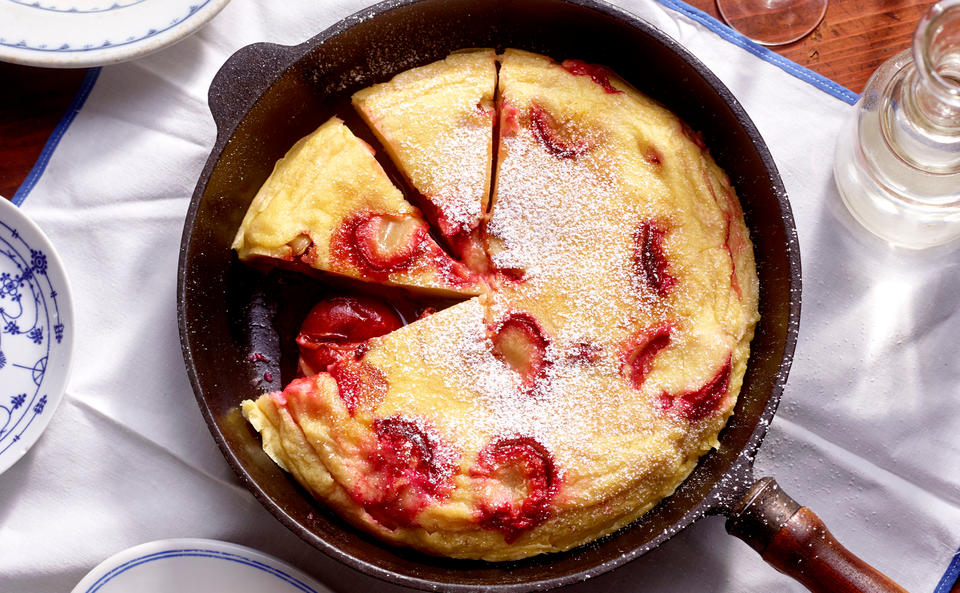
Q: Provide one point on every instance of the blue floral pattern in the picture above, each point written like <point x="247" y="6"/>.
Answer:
<point x="106" y="7"/>
<point x="29" y="310"/>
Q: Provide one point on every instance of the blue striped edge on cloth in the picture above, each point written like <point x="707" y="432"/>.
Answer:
<point x="78" y="100"/>
<point x="951" y="578"/>
<point x="805" y="74"/>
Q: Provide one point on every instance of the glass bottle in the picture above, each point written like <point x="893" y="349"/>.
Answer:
<point x="898" y="164"/>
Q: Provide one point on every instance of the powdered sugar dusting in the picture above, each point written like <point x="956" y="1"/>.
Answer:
<point x="573" y="402"/>
<point x="436" y="122"/>
<point x="574" y="246"/>
<point x="463" y="177"/>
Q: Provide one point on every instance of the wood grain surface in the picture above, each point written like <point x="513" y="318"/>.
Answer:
<point x="854" y="38"/>
<point x="32" y="102"/>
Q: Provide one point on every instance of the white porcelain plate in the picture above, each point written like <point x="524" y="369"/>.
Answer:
<point x="36" y="332"/>
<point x="195" y="566"/>
<point x="83" y="33"/>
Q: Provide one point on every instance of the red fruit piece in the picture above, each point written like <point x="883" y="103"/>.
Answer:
<point x="519" y="342"/>
<point x="545" y="130"/>
<point x="449" y="270"/>
<point x="638" y="352"/>
<point x="410" y="468"/>
<point x="303" y="249"/>
<point x="653" y="156"/>
<point x="358" y="384"/>
<point x="379" y="245"/>
<point x="649" y="262"/>
<point x="734" y="242"/>
<point x="524" y="481"/>
<point x="599" y="74"/>
<point x="509" y="119"/>
<point x="697" y="404"/>
<point x="334" y="328"/>
<point x="485" y="109"/>
<point x="383" y="244"/>
<point x="585" y="352"/>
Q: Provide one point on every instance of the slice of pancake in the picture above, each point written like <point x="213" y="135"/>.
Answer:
<point x="650" y="250"/>
<point x="436" y="123"/>
<point x="329" y="205"/>
<point x="430" y="439"/>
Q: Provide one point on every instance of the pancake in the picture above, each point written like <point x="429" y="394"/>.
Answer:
<point x="600" y="360"/>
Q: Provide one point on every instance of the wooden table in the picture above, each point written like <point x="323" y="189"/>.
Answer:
<point x="854" y="38"/>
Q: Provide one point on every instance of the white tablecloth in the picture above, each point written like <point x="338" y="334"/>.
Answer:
<point x="866" y="435"/>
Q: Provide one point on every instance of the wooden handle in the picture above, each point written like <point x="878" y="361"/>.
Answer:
<point x="795" y="541"/>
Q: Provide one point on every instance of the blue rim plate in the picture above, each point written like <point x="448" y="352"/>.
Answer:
<point x="195" y="565"/>
<point x="83" y="33"/>
<point x="36" y="332"/>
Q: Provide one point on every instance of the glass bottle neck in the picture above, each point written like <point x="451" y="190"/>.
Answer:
<point x="920" y="98"/>
<point x="936" y="53"/>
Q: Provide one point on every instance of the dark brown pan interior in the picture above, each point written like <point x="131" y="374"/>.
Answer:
<point x="228" y="312"/>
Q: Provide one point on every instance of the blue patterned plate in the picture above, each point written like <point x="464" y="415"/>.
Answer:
<point x="82" y="33"/>
<point x="195" y="566"/>
<point x="36" y="332"/>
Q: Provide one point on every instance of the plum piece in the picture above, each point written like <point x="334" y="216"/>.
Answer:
<point x="649" y="260"/>
<point x="379" y="245"/>
<point x="546" y="130"/>
<point x="522" y="479"/>
<point x="653" y="156"/>
<point x="638" y="352"/>
<point x="520" y="343"/>
<point x="509" y="119"/>
<point x="585" y="352"/>
<point x="388" y="243"/>
<point x="359" y="384"/>
<point x="334" y="329"/>
<point x="699" y="403"/>
<point x="410" y="468"/>
<point x="599" y="74"/>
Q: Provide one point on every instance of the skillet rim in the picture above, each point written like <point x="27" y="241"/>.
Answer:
<point x="230" y="109"/>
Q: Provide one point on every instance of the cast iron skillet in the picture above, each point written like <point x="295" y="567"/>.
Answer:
<point x="267" y="96"/>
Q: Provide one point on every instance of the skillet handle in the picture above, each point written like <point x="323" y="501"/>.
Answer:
<point x="795" y="541"/>
<point x="242" y="78"/>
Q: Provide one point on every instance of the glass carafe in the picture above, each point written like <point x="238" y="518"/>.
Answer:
<point x="898" y="164"/>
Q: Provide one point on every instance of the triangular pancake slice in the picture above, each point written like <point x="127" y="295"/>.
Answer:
<point x="436" y="123"/>
<point x="329" y="205"/>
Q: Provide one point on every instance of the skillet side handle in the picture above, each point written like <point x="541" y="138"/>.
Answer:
<point x="795" y="541"/>
<point x="242" y="78"/>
